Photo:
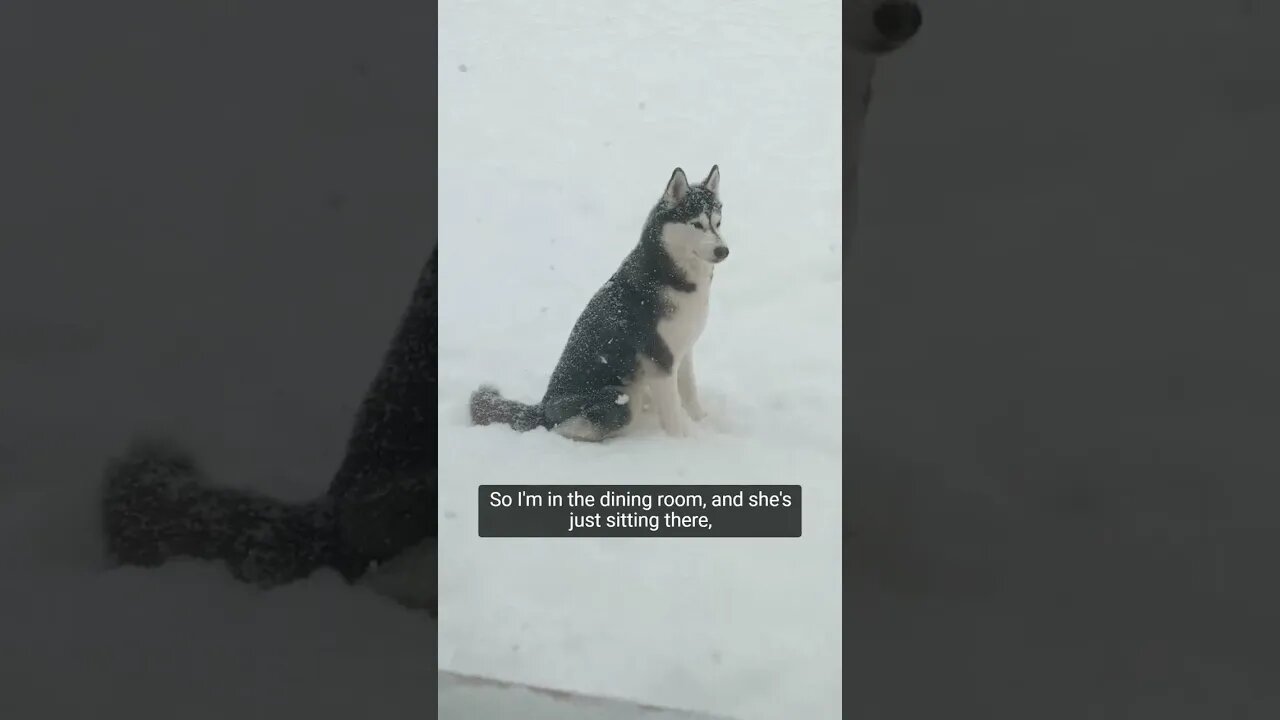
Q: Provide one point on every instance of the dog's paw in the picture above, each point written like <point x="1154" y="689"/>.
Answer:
<point x="696" y="413"/>
<point x="677" y="425"/>
<point x="681" y="430"/>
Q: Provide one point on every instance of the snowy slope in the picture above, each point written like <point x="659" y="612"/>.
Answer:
<point x="469" y="697"/>
<point x="558" y="131"/>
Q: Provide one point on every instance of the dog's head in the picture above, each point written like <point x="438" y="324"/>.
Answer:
<point x="690" y="217"/>
<point x="876" y="27"/>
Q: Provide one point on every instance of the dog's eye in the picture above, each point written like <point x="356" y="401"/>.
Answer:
<point x="717" y="224"/>
<point x="698" y="224"/>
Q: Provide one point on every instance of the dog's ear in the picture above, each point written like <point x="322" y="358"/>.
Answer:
<point x="712" y="182"/>
<point x="677" y="188"/>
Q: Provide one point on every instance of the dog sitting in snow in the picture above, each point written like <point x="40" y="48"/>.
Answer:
<point x="635" y="338"/>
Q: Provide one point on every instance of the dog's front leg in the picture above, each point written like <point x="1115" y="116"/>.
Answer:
<point x="689" y="388"/>
<point x="664" y="390"/>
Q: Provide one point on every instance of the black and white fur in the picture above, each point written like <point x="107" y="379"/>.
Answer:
<point x="635" y="339"/>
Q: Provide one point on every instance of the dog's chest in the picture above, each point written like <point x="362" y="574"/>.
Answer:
<point x="685" y="317"/>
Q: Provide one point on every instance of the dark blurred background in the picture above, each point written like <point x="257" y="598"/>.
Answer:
<point x="1062" y="375"/>
<point x="212" y="215"/>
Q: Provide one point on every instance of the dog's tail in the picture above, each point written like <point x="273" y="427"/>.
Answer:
<point x="488" y="407"/>
<point x="159" y="506"/>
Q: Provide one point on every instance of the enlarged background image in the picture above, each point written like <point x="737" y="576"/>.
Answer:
<point x="1062" y="366"/>
<point x="214" y="217"/>
<point x="560" y="125"/>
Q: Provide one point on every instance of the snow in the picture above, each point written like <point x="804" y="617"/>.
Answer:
<point x="467" y="697"/>
<point x="549" y="161"/>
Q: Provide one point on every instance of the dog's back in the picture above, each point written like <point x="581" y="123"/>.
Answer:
<point x="591" y="380"/>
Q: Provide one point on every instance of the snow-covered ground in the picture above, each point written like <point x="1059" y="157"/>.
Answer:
<point x="463" y="696"/>
<point x="559" y="127"/>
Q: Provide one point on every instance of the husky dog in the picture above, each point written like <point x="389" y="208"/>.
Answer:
<point x="380" y="505"/>
<point x="635" y="338"/>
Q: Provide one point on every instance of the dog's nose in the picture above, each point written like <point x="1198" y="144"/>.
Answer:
<point x="721" y="252"/>
<point x="897" y="20"/>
